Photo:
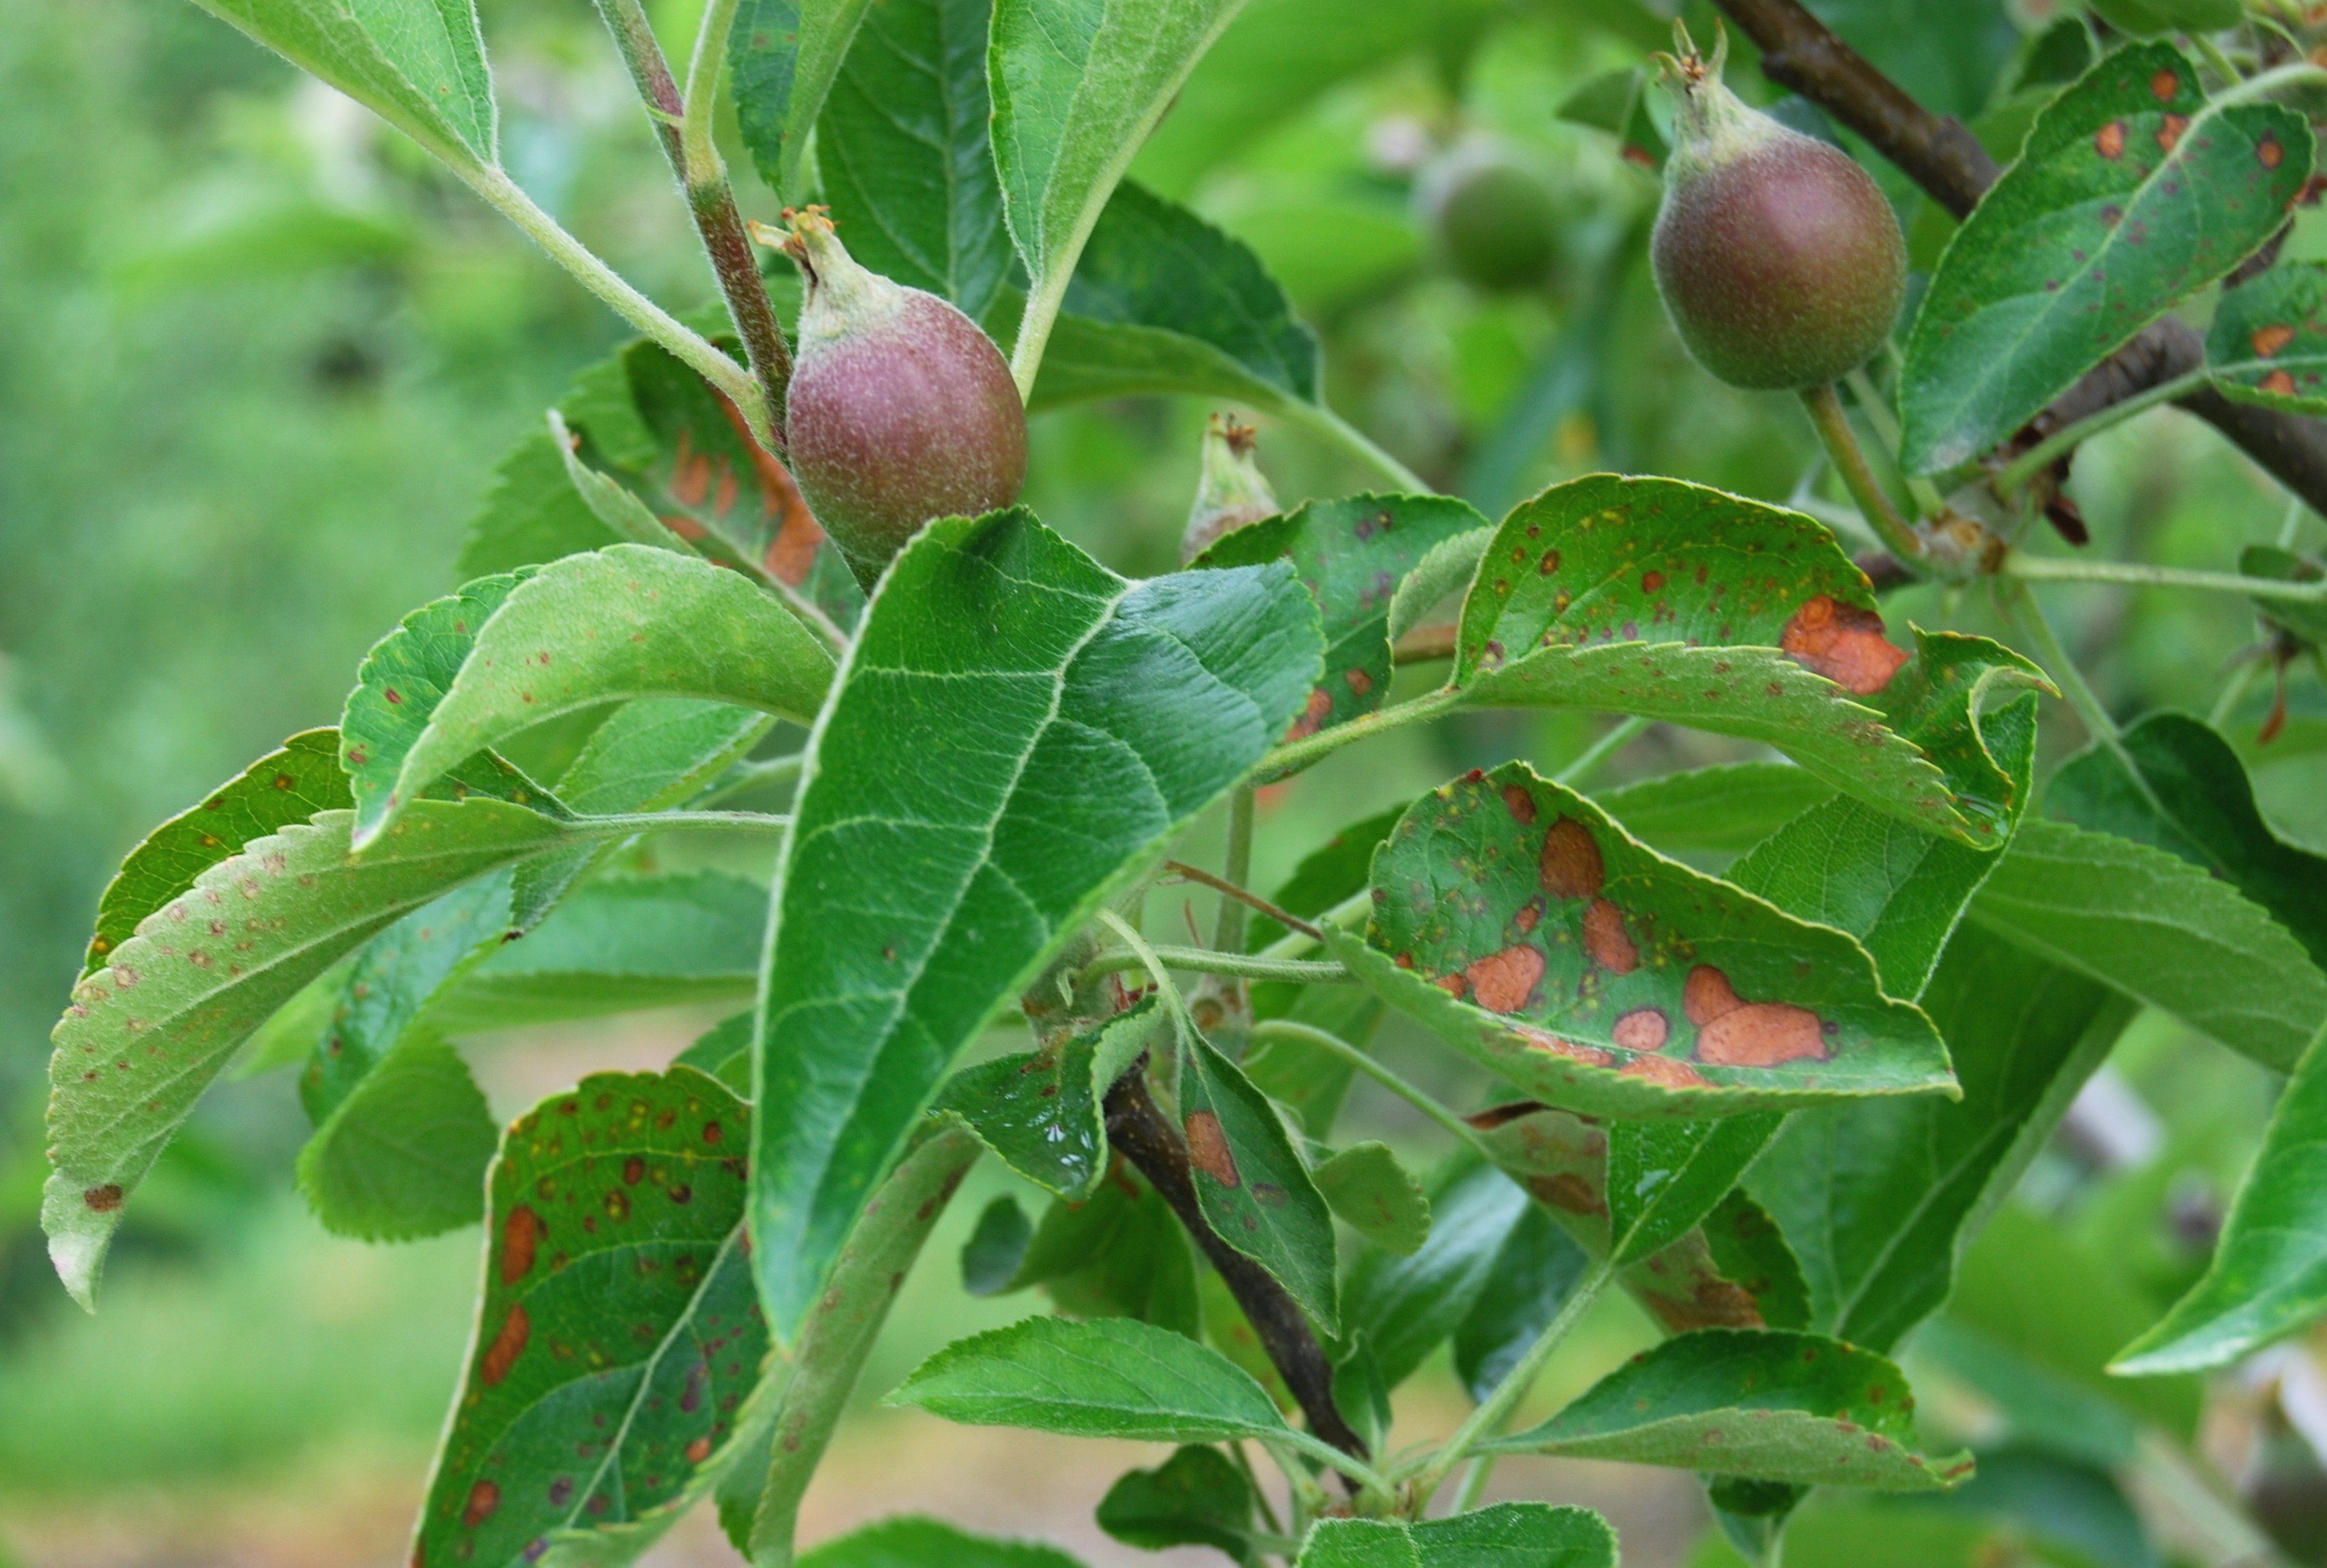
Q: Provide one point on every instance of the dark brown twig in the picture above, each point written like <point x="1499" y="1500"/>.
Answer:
<point x="1799" y="52"/>
<point x="1248" y="898"/>
<point x="1139" y="1131"/>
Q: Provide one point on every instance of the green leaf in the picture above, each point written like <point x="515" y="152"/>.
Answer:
<point x="1161" y="301"/>
<point x="723" y="1052"/>
<point x="2132" y="192"/>
<point x="1077" y="85"/>
<point x="1664" y="1176"/>
<point x="1947" y="53"/>
<point x="1540" y="941"/>
<point x="1110" y="1377"/>
<point x="1502" y="1536"/>
<point x="617" y="1339"/>
<point x="622" y="622"/>
<point x="418" y="64"/>
<point x="907" y="166"/>
<point x="1617" y="102"/>
<point x="2306" y="622"/>
<point x="1899" y="891"/>
<point x="1041" y="1110"/>
<point x="1722" y="809"/>
<point x="2269" y="1276"/>
<point x="402" y="1155"/>
<point x="1534" y="1272"/>
<point x="283" y="787"/>
<point x="2191" y="799"/>
<point x="1747" y="1248"/>
<point x="531" y="513"/>
<point x="2161" y="931"/>
<point x="2268" y="340"/>
<point x="617" y="946"/>
<point x="1197" y="1498"/>
<point x="1369" y="1190"/>
<point x="1252" y="1183"/>
<point x="1767" y="1404"/>
<point x="1668" y="599"/>
<point x="1351" y="553"/>
<point x="1017" y="733"/>
<point x="144" y="1036"/>
<point x="2143" y="16"/>
<point x="996" y="1249"/>
<point x="1404" y="1307"/>
<point x="781" y="59"/>
<point x="1119" y="1254"/>
<point x="908" y="1541"/>
<point x="1879" y="1198"/>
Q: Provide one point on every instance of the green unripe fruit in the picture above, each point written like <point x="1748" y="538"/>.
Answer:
<point x="1492" y="221"/>
<point x="900" y="409"/>
<point x="1780" y="262"/>
<point x="1231" y="492"/>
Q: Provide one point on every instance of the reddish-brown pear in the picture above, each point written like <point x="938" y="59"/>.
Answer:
<point x="1778" y="259"/>
<point x="901" y="409"/>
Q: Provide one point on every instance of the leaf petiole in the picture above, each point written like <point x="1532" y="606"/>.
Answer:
<point x="1208" y="961"/>
<point x="2046" y="569"/>
<point x="2041" y="456"/>
<point x="1294" y="755"/>
<point x="1286" y="1029"/>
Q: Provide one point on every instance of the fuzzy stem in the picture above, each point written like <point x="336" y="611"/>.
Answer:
<point x="2291" y="529"/>
<point x="1236" y="869"/>
<point x="1841" y="443"/>
<point x="1206" y="961"/>
<point x="2045" y="569"/>
<point x="1927" y="498"/>
<point x="701" y="163"/>
<point x="1295" y="755"/>
<point x="1322" y="422"/>
<point x="620" y="823"/>
<point x="1619" y="736"/>
<point x="1286" y="1029"/>
<point x="511" y="201"/>
<point x="2041" y="456"/>
<point x="751" y="775"/>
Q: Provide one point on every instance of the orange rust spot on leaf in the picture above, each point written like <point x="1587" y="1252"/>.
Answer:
<point x="484" y="1499"/>
<point x="1529" y="917"/>
<point x="104" y="1200"/>
<point x="2278" y="382"/>
<point x="1652" y="581"/>
<point x="2110" y="140"/>
<point x="713" y="1132"/>
<point x="520" y="1234"/>
<point x="634" y="1171"/>
<point x="1664" y="1071"/>
<point x="1707" y="995"/>
<point x="2165" y="85"/>
<point x="2270" y="154"/>
<point x="698" y="1450"/>
<point x="1589" y="1055"/>
<point x="1843" y="643"/>
<point x="1642" y="1029"/>
<point x="2270" y="341"/>
<point x="1452" y="984"/>
<point x="1606" y="940"/>
<point x="1569" y="1192"/>
<point x="1502" y="982"/>
<point x="1762" y="1034"/>
<point x="1519" y="804"/>
<point x="507" y="1346"/>
<point x="1313" y="715"/>
<point x="1208" y="1151"/>
<point x="2169" y="133"/>
<point x="1572" y="867"/>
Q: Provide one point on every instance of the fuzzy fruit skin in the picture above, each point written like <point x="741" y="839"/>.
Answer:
<point x="1495" y="224"/>
<point x="1781" y="264"/>
<point x="900" y="410"/>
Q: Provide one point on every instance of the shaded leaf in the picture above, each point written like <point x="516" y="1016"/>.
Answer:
<point x="2042" y="1406"/>
<point x="908" y="1541"/>
<point x="1879" y="1198"/>
<point x="1538" y="938"/>
<point x="931" y="871"/>
<point x="1748" y="1250"/>
<point x="1503" y="1534"/>
<point x="1724" y="809"/>
<point x="404" y="1154"/>
<point x="723" y="1052"/>
<point x="2267" y="343"/>
<point x="1119" y="1254"/>
<point x="2192" y="800"/>
<point x="2268" y="1277"/>
<point x="1533" y="1272"/>
<point x="1672" y="600"/>
<point x="1352" y="555"/>
<point x="1197" y="1498"/>
<point x="1369" y="1190"/>
<point x="531" y="513"/>
<point x="996" y="1249"/>
<point x="1403" y="1307"/>
<point x="1664" y="1176"/>
<point x="617" y="1338"/>
<point x="286" y="786"/>
<point x="1766" y="1404"/>
<point x="2307" y="622"/>
<point x="1041" y="1110"/>
<point x="2075" y="1509"/>
<point x="2161" y="931"/>
<point x="1252" y="1184"/>
<point x="2132" y="192"/>
<point x="145" y="1035"/>
<point x="781" y="59"/>
<point x="1110" y="1377"/>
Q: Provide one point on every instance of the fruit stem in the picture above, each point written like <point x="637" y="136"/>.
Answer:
<point x="1832" y="422"/>
<point x="690" y="348"/>
<point x="2045" y="569"/>
<point x="1929" y="502"/>
<point x="2041" y="456"/>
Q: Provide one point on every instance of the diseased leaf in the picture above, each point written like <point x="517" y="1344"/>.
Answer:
<point x="1403" y="1307"/>
<point x="2268" y="340"/>
<point x="2269" y="1276"/>
<point x="417" y="64"/>
<point x="1250" y="1181"/>
<point x="908" y="1541"/>
<point x="623" y="622"/>
<point x="1534" y="1272"/>
<point x="781" y="58"/>
<point x="931" y="870"/>
<point x="1352" y="555"/>
<point x="1501" y="1536"/>
<point x="2191" y="799"/>
<point x="2132" y="192"/>
<point x="283" y="787"/>
<point x="1538" y="938"/>
<point x="1748" y="1249"/>
<point x="1671" y="600"/>
<point x="995" y="1250"/>
<point x="1109" y="1377"/>
<point x="1767" y="1404"/>
<point x="1041" y="1110"/>
<point x="1077" y="85"/>
<point x="908" y="169"/>
<point x="1197" y="1498"/>
<point x="2161" y="931"/>
<point x="617" y="1338"/>
<point x="1881" y="1198"/>
<point x="1369" y="1190"/>
<point x="404" y="1154"/>
<point x="1722" y="809"/>
<point x="1664" y="1176"/>
<point x="145" y="1035"/>
<point x="1899" y="891"/>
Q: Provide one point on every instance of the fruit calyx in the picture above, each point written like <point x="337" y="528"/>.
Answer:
<point x="843" y="296"/>
<point x="1712" y="126"/>
<point x="1231" y="492"/>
